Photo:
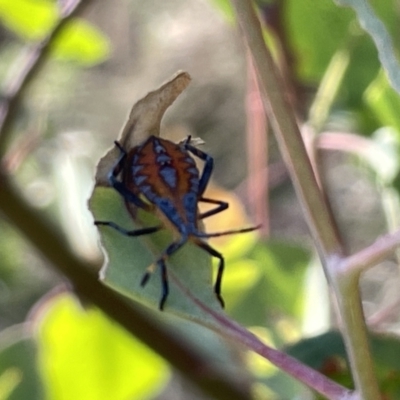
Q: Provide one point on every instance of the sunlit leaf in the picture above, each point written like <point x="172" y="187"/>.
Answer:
<point x="29" y="19"/>
<point x="383" y="101"/>
<point x="80" y="41"/>
<point x="83" y="355"/>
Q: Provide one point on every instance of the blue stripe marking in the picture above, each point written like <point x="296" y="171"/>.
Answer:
<point x="190" y="204"/>
<point x="148" y="192"/>
<point x="189" y="160"/>
<point x="163" y="158"/>
<point x="139" y="179"/>
<point x="136" y="169"/>
<point x="194" y="184"/>
<point x="193" y="171"/>
<point x="169" y="175"/>
<point x="158" y="148"/>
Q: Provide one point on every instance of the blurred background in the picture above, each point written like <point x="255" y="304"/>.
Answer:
<point x="72" y="111"/>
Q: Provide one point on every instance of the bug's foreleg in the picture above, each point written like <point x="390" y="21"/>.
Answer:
<point x="208" y="166"/>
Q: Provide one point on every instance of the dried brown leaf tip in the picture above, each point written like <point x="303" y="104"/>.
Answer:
<point x="143" y="121"/>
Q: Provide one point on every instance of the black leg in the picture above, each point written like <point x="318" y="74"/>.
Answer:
<point x="164" y="284"/>
<point x="229" y="232"/>
<point x="172" y="248"/>
<point x="118" y="185"/>
<point x="222" y="205"/>
<point x="208" y="166"/>
<point x="221" y="266"/>
<point x="126" y="232"/>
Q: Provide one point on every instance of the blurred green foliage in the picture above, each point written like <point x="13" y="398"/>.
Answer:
<point x="78" y="353"/>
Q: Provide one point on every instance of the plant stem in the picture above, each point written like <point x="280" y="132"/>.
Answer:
<point x="232" y="330"/>
<point x="354" y="331"/>
<point x="317" y="212"/>
<point x="321" y="223"/>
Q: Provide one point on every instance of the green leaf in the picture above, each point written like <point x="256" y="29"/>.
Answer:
<point x="376" y="28"/>
<point x="83" y="355"/>
<point x="225" y="6"/>
<point x="383" y="101"/>
<point x="327" y="354"/>
<point x="314" y="44"/>
<point x="31" y="20"/>
<point x="128" y="258"/>
<point x="80" y="41"/>
<point x="19" y="377"/>
<point x="274" y="283"/>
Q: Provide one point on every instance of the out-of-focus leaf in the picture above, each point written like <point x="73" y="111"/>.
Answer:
<point x="80" y="41"/>
<point x="83" y="355"/>
<point x="383" y="101"/>
<point x="29" y="19"/>
<point x="19" y="377"/>
<point x="226" y="8"/>
<point x="327" y="354"/>
<point x="377" y="30"/>
<point x="315" y="43"/>
<point x="277" y="271"/>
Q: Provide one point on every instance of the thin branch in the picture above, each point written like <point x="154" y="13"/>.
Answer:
<point x="257" y="153"/>
<point x="305" y="374"/>
<point x="372" y="255"/>
<point x="47" y="240"/>
<point x="25" y="69"/>
<point x="317" y="211"/>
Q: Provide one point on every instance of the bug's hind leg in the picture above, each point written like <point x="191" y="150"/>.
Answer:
<point x="220" y="271"/>
<point x="172" y="248"/>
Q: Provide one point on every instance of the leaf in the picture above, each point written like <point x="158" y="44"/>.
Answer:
<point x="83" y="355"/>
<point x="315" y="44"/>
<point x="189" y="269"/>
<point x="82" y="42"/>
<point x="128" y="258"/>
<point x="19" y="377"/>
<point x="383" y="101"/>
<point x="31" y="20"/>
<point x="226" y="8"/>
<point x="327" y="354"/>
<point x="381" y="37"/>
<point x="275" y="273"/>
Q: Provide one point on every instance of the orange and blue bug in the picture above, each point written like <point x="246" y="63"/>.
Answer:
<point x="162" y="175"/>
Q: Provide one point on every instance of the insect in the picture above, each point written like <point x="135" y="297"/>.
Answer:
<point x="160" y="175"/>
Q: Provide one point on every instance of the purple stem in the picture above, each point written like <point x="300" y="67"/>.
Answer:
<point x="305" y="374"/>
